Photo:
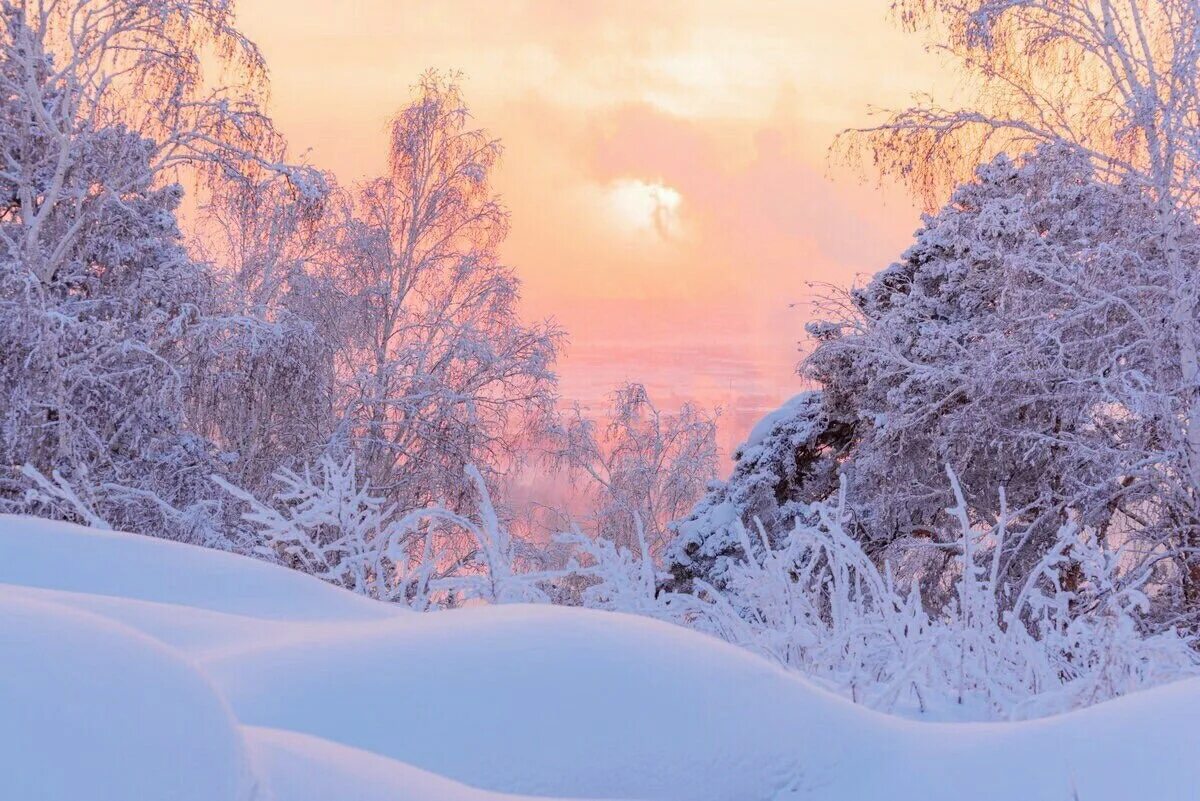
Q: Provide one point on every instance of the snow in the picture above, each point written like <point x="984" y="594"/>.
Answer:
<point x="306" y="767"/>
<point x="93" y="709"/>
<point x="548" y="701"/>
<point x="136" y="668"/>
<point x="45" y="553"/>
<point x="772" y="420"/>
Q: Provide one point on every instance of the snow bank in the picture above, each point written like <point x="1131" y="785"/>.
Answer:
<point x="305" y="768"/>
<point x="126" y="660"/>
<point x="90" y="709"/>
<point x="1140" y="746"/>
<point x="44" y="553"/>
<point x="548" y="700"/>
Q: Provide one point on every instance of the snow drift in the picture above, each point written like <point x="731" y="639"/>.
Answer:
<point x="138" y="668"/>
<point x="93" y="709"/>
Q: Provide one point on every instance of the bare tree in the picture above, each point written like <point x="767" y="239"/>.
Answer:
<point x="640" y="468"/>
<point x="1117" y="79"/>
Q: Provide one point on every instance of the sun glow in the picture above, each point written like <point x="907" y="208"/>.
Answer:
<point x="643" y="206"/>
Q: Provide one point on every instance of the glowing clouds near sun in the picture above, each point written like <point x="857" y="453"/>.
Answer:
<point x="638" y="206"/>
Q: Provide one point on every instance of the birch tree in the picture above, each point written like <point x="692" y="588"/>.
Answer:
<point x="436" y="369"/>
<point x="639" y="468"/>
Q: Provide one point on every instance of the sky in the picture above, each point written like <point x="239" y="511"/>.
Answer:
<point x="665" y="163"/>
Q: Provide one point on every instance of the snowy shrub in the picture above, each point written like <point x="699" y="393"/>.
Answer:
<point x="490" y="570"/>
<point x="330" y="524"/>
<point x="812" y="600"/>
<point x="613" y="577"/>
<point x="817" y="603"/>
<point x="790" y="460"/>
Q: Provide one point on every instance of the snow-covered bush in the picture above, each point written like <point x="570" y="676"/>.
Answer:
<point x="491" y="570"/>
<point x="812" y="600"/>
<point x="817" y="603"/>
<point x="1026" y="337"/>
<point x="327" y="524"/>
<point x="789" y="460"/>
<point x="330" y="524"/>
<point x="610" y="576"/>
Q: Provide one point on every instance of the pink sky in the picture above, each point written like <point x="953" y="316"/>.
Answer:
<point x="665" y="162"/>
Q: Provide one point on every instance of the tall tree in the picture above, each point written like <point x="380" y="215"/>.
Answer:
<point x="1119" y="82"/>
<point x="437" y="369"/>
<point x="102" y="105"/>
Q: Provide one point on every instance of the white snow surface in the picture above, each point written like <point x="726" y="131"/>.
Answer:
<point x="768" y="422"/>
<point x="93" y="709"/>
<point x="133" y="668"/>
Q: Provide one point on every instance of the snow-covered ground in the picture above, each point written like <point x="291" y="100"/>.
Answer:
<point x="133" y="668"/>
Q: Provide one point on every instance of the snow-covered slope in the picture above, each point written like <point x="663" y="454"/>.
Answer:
<point x="306" y="767"/>
<point x="135" y="668"/>
<point x="44" y="553"/>
<point x="549" y="701"/>
<point x="93" y="709"/>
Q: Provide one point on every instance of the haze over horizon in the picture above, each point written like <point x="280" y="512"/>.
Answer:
<point x="666" y="167"/>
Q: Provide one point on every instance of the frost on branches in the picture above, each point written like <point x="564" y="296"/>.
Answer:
<point x="812" y="599"/>
<point x="262" y="375"/>
<point x="302" y="320"/>
<point x="331" y="525"/>
<point x="97" y="297"/>
<point x="423" y="366"/>
<point x="639" y="469"/>
<point x="791" y="459"/>
<point x="439" y="370"/>
<point x="1022" y="338"/>
<point x="816" y="602"/>
<point x="1116" y="83"/>
<point x="102" y="104"/>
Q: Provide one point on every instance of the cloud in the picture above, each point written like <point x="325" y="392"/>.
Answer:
<point x="664" y="162"/>
<point x="763" y="215"/>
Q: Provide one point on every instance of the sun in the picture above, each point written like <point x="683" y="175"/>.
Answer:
<point x="643" y="206"/>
